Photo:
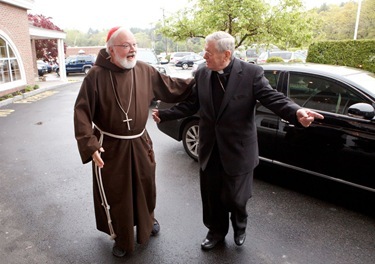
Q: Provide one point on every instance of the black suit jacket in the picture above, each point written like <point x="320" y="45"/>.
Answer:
<point x="233" y="129"/>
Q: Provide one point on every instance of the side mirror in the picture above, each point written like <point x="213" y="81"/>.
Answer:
<point x="164" y="61"/>
<point x="361" y="110"/>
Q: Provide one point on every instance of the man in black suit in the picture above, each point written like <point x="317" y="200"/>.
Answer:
<point x="226" y="93"/>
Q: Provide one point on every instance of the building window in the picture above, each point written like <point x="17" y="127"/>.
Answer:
<point x="9" y="67"/>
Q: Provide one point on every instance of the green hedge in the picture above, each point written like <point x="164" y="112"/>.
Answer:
<point x="353" y="53"/>
<point x="275" y="59"/>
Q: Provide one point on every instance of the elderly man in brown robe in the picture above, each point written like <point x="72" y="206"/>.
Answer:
<point x="110" y="115"/>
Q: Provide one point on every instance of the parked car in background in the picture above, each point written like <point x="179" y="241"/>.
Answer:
<point x="341" y="147"/>
<point x="252" y="55"/>
<point x="54" y="66"/>
<point x="78" y="64"/>
<point x="287" y="56"/>
<point x="48" y="66"/>
<point x="196" y="65"/>
<point x="175" y="56"/>
<point x="303" y="52"/>
<point x="188" y="61"/>
<point x="162" y="59"/>
<point x="42" y="67"/>
<point x="240" y="55"/>
<point x="255" y="50"/>
<point x="149" y="56"/>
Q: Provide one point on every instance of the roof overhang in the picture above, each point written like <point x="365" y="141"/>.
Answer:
<point x="42" y="33"/>
<point x="26" y="4"/>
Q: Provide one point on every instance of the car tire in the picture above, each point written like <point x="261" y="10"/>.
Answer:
<point x="190" y="138"/>
<point x="86" y="70"/>
<point x="185" y="66"/>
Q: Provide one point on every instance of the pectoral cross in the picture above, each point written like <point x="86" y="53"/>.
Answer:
<point x="127" y="120"/>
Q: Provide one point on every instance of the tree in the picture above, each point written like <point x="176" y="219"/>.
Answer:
<point x="143" y="40"/>
<point x="338" y="22"/>
<point x="45" y="48"/>
<point x="249" y="21"/>
<point x="367" y="20"/>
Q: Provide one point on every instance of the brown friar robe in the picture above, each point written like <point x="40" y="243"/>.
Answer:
<point x="128" y="175"/>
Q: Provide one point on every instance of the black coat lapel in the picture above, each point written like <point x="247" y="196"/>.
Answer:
<point x="233" y="83"/>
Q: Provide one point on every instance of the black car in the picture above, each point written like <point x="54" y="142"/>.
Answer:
<point x="188" y="61"/>
<point x="341" y="147"/>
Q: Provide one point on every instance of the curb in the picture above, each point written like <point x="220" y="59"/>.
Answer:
<point x="31" y="93"/>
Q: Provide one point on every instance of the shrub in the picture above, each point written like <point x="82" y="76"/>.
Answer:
<point x="353" y="53"/>
<point x="275" y="59"/>
<point x="29" y="88"/>
<point x="296" y="61"/>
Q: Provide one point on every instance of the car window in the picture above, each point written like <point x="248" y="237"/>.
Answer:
<point x="181" y="54"/>
<point x="147" y="56"/>
<point x="273" y="77"/>
<point x="321" y="94"/>
<point x="299" y="56"/>
<point x="263" y="55"/>
<point x="284" y="55"/>
<point x="251" y="53"/>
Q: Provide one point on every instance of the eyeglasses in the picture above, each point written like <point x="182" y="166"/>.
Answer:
<point x="127" y="46"/>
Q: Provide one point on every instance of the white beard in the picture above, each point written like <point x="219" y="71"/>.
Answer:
<point x="127" y="64"/>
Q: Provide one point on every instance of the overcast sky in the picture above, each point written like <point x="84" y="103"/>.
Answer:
<point x="82" y="15"/>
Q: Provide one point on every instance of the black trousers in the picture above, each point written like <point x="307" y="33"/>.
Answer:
<point x="224" y="197"/>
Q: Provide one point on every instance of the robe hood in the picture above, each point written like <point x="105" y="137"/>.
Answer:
<point x="103" y="60"/>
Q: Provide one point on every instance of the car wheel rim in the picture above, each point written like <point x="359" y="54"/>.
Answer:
<point x="192" y="139"/>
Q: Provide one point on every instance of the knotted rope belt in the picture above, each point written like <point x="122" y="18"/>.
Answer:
<point x="99" y="180"/>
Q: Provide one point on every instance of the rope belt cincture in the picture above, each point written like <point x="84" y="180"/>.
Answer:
<point x="99" y="180"/>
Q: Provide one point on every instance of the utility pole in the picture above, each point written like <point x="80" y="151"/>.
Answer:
<point x="357" y="20"/>
<point x="166" y="40"/>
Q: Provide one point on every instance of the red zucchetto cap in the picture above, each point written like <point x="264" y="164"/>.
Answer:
<point x="111" y="31"/>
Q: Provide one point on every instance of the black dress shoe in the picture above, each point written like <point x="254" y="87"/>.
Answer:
<point x="118" y="252"/>
<point x="239" y="239"/>
<point x="210" y="243"/>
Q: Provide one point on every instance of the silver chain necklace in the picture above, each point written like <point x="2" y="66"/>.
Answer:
<point x="127" y="119"/>
<point x="221" y="84"/>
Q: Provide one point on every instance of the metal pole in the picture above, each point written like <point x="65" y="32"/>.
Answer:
<point x="166" y="39"/>
<point x="357" y="20"/>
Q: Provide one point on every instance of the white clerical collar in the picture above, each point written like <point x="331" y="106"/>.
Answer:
<point x="220" y="72"/>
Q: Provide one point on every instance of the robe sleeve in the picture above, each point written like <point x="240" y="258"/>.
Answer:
<point x="188" y="107"/>
<point x="84" y="111"/>
<point x="171" y="89"/>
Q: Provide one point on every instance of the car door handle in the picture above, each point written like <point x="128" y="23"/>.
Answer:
<point x="269" y="123"/>
<point x="287" y="122"/>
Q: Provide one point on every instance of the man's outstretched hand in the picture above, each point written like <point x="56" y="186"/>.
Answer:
<point x="306" y="116"/>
